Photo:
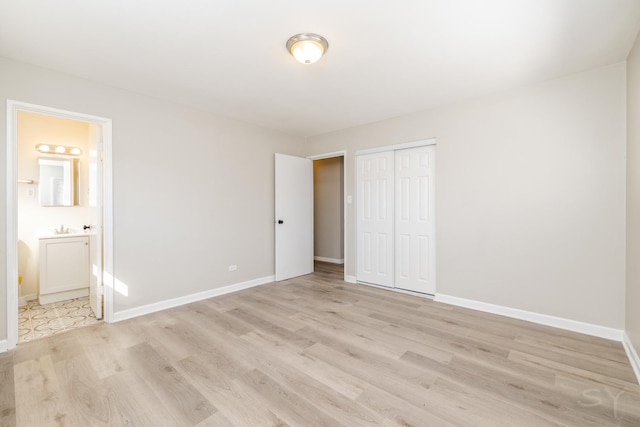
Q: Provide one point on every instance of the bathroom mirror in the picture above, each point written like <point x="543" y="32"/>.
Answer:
<point x="58" y="182"/>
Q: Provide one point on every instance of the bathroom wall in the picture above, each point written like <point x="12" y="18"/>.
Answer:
<point x="34" y="129"/>
<point x="530" y="189"/>
<point x="328" y="188"/>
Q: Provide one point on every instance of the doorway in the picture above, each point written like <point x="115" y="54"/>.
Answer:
<point x="294" y="215"/>
<point x="328" y="208"/>
<point x="40" y="202"/>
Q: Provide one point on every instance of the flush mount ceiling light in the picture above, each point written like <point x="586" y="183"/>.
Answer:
<point x="307" y="48"/>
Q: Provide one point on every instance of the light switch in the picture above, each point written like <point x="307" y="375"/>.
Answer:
<point x="349" y="200"/>
<point x="31" y="192"/>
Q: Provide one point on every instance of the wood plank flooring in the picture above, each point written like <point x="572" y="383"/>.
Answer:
<point x="316" y="351"/>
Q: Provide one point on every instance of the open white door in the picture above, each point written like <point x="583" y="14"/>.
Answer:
<point x="294" y="216"/>
<point x="95" y="220"/>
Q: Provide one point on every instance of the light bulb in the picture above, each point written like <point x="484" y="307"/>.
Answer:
<point x="60" y="149"/>
<point x="307" y="51"/>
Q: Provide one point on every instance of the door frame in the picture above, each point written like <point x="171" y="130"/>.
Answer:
<point x="343" y="154"/>
<point x="12" y="208"/>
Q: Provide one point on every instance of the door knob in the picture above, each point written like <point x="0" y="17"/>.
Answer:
<point x="280" y="221"/>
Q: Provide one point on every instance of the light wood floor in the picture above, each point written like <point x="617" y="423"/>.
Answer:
<point x="315" y="351"/>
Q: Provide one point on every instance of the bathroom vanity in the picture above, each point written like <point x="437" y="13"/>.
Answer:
<point x="64" y="267"/>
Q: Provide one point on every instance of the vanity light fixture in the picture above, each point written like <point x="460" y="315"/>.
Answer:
<point x="59" y="149"/>
<point x="307" y="48"/>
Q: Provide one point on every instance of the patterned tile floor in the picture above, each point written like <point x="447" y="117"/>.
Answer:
<point x="37" y="321"/>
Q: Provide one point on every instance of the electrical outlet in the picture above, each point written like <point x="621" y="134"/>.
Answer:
<point x="233" y="267"/>
<point x="31" y="192"/>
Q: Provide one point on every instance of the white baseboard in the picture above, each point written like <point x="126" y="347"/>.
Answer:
<point x="331" y="260"/>
<point x="397" y="290"/>
<point x="26" y="298"/>
<point x="530" y="316"/>
<point x="350" y="279"/>
<point x="3" y="346"/>
<point x="631" y="354"/>
<point x="175" y="302"/>
<point x="63" y="296"/>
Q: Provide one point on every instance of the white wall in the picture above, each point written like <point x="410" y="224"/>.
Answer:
<point x="531" y="191"/>
<point x="190" y="188"/>
<point x="530" y="194"/>
<point x="632" y="324"/>
<point x="328" y="209"/>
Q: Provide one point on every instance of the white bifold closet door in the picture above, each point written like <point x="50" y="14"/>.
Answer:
<point x="396" y="219"/>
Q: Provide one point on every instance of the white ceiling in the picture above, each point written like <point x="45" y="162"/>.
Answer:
<point x="385" y="58"/>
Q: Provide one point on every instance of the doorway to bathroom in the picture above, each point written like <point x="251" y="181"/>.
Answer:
<point x="59" y="221"/>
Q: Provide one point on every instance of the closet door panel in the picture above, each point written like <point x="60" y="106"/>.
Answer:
<point x="375" y="254"/>
<point x="415" y="219"/>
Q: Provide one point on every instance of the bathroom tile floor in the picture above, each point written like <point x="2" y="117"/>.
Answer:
<point x="38" y="321"/>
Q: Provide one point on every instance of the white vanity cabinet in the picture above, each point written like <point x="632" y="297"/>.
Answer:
<point x="64" y="268"/>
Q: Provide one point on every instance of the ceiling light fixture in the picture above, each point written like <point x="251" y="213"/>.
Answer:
<point x="59" y="149"/>
<point x="307" y="48"/>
